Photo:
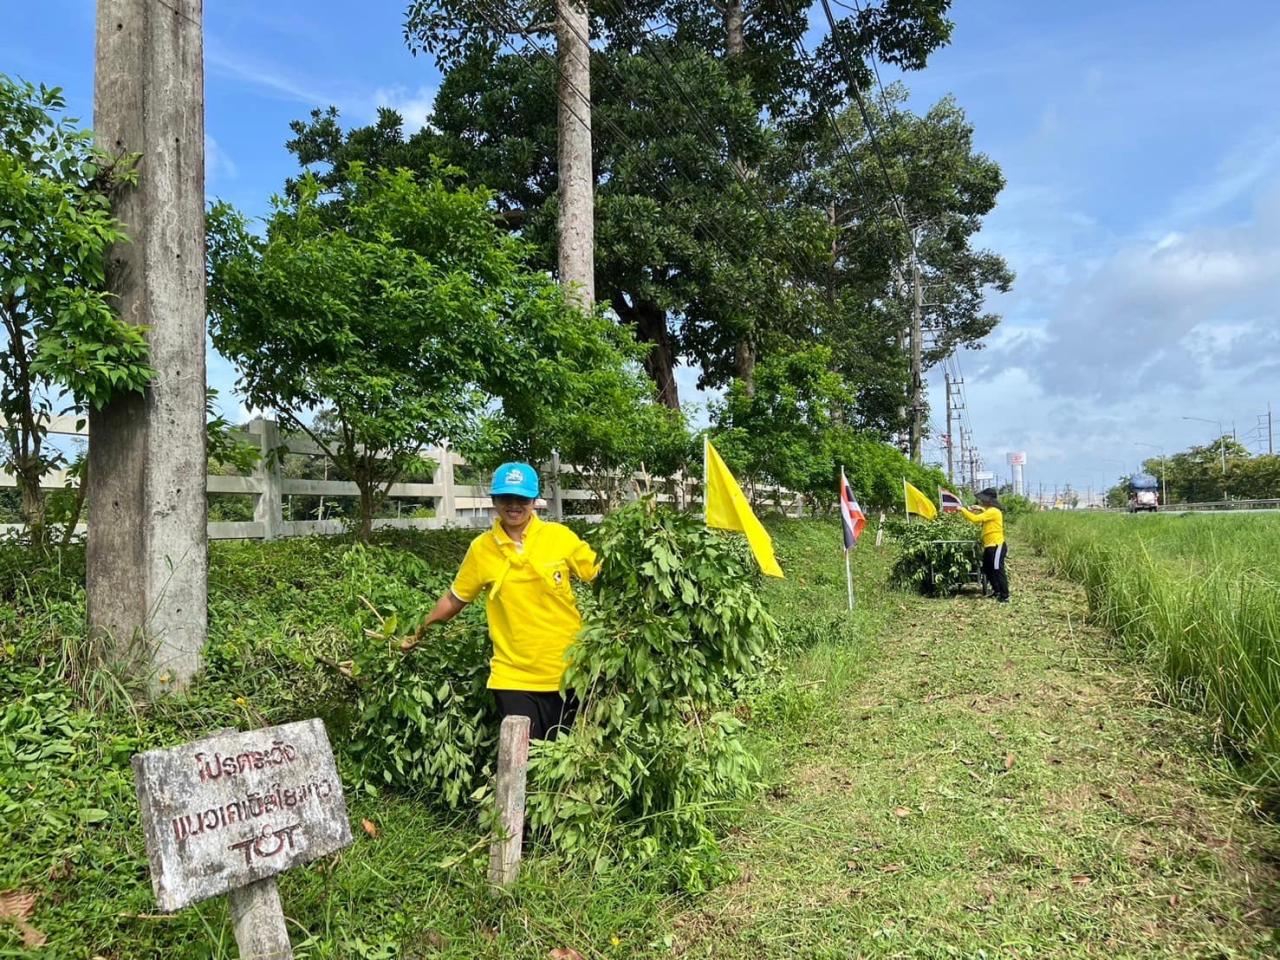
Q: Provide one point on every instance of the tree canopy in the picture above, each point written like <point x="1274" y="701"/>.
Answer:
<point x="402" y="312"/>
<point x="64" y="349"/>
<point x="744" y="216"/>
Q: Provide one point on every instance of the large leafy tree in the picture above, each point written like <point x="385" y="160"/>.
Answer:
<point x="921" y="181"/>
<point x="402" y="311"/>
<point x="716" y="243"/>
<point x="796" y="429"/>
<point x="705" y="256"/>
<point x="63" y="344"/>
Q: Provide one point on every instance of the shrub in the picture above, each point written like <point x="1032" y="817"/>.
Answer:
<point x="675" y="623"/>
<point x="1016" y="505"/>
<point x="936" y="556"/>
<point x="423" y="721"/>
<point x="672" y="629"/>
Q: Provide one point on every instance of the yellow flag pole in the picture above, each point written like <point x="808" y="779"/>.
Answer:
<point x="706" y="475"/>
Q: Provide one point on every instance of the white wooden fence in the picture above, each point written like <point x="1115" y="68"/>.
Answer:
<point x="456" y="505"/>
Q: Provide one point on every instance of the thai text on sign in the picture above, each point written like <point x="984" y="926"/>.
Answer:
<point x="222" y="812"/>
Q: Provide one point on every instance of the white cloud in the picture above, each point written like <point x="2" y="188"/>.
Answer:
<point x="271" y="78"/>
<point x="218" y="164"/>
<point x="1103" y="354"/>
<point x="414" y="107"/>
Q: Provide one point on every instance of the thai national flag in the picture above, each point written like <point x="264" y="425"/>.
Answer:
<point x="850" y="513"/>
<point x="949" y="501"/>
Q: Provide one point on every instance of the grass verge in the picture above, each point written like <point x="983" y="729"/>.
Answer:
<point x="977" y="780"/>
<point x="946" y="778"/>
<point x="1197" y="599"/>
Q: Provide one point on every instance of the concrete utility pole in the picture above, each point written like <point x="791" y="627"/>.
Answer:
<point x="917" y="354"/>
<point x="147" y="560"/>
<point x="575" y="230"/>
<point x="735" y="43"/>
<point x="946" y="380"/>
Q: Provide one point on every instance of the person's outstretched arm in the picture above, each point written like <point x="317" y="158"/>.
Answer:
<point x="974" y="516"/>
<point x="446" y="608"/>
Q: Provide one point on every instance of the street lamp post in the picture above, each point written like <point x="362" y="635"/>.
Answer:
<point x="1222" y="441"/>
<point x="1164" y="486"/>
<point x="1222" y="438"/>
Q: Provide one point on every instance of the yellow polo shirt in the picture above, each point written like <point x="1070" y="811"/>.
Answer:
<point x="992" y="521"/>
<point x="532" y="614"/>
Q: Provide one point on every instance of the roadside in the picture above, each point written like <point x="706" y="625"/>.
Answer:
<point x="984" y="781"/>
<point x="948" y="778"/>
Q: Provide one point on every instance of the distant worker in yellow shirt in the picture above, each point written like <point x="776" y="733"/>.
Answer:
<point x="994" y="550"/>
<point x="525" y="563"/>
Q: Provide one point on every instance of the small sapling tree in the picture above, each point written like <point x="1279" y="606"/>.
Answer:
<point x="398" y="308"/>
<point x="63" y="343"/>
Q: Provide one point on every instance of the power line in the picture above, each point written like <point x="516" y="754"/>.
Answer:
<point x="866" y="120"/>
<point x="891" y="114"/>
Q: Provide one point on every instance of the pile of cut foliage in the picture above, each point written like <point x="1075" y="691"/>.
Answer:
<point x="673" y="626"/>
<point x="936" y="556"/>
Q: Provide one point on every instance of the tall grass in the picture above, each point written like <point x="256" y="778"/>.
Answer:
<point x="1196" y="597"/>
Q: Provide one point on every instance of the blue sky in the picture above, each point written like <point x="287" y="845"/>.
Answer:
<point x="1142" y="214"/>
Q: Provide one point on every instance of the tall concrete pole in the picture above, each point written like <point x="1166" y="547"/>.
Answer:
<point x="576" y="227"/>
<point x="147" y="559"/>
<point x="735" y="44"/>
<point x="917" y="355"/>
<point x="946" y="380"/>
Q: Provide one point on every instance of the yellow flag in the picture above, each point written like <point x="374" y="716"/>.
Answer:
<point x="918" y="503"/>
<point x="728" y="509"/>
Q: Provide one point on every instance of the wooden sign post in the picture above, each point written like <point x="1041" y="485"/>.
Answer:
<point x="508" y="794"/>
<point x="227" y="813"/>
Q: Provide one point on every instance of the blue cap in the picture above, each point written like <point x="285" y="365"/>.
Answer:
<point x="518" y="479"/>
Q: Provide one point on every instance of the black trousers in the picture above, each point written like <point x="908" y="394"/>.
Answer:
<point x="993" y="566"/>
<point x="548" y="712"/>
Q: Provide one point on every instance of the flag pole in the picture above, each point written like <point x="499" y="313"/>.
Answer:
<point x="844" y="520"/>
<point x="906" y="503"/>
<point x="848" y="577"/>
<point x="706" y="478"/>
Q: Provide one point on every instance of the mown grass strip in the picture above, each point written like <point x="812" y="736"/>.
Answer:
<point x="976" y="780"/>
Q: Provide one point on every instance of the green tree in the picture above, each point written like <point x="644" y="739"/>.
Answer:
<point x="403" y="312"/>
<point x="1220" y="470"/>
<point x="794" y="430"/>
<point x="1201" y="474"/>
<point x="64" y="346"/>
<point x="785" y="431"/>
<point x="1257" y="478"/>
<point x="932" y="177"/>
<point x="700" y="245"/>
<point x="1117" y="497"/>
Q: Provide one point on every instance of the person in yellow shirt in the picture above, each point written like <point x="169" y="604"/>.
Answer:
<point x="994" y="549"/>
<point x="526" y="564"/>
